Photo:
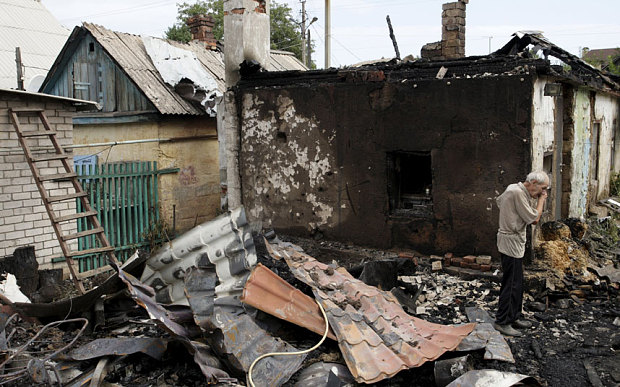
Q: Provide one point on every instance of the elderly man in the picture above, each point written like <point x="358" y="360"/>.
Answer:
<point x="521" y="204"/>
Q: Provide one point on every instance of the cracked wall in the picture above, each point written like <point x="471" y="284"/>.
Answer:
<point x="314" y="157"/>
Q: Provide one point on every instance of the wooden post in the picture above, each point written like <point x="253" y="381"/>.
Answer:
<point x="20" y="73"/>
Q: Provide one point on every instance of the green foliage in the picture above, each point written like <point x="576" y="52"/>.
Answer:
<point x="609" y="63"/>
<point x="285" y="30"/>
<point x="614" y="185"/>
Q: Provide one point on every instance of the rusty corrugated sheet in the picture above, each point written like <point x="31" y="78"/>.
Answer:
<point x="266" y="291"/>
<point x="376" y="336"/>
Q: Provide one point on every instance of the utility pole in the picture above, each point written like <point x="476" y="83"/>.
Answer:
<point x="490" y="37"/>
<point x="309" y="48"/>
<point x="327" y="34"/>
<point x="303" y="33"/>
<point x="20" y="73"/>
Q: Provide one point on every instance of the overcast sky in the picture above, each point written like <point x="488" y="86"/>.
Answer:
<point x="359" y="28"/>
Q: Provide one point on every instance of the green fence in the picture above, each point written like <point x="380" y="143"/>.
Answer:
<point x="125" y="195"/>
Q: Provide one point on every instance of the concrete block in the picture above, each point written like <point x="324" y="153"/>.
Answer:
<point x="436" y="265"/>
<point x="14" y="219"/>
<point x="448" y="6"/>
<point x="5" y="213"/>
<point x="23" y="211"/>
<point x="483" y="259"/>
<point x="13" y="204"/>
<point x="33" y="217"/>
<point x="6" y="229"/>
<point x="11" y="174"/>
<point x="23" y="226"/>
<point x="33" y="232"/>
<point x="15" y="235"/>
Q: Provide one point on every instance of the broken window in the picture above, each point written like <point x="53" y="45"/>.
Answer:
<point x="410" y="181"/>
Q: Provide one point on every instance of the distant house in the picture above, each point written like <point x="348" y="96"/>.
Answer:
<point x="602" y="57"/>
<point x="28" y="25"/>
<point x="158" y="95"/>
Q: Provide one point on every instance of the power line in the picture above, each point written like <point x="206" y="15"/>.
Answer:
<point x="122" y="10"/>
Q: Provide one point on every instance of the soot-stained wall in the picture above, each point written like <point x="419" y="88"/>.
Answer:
<point x="318" y="157"/>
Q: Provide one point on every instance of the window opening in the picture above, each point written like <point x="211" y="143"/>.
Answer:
<point x="410" y="183"/>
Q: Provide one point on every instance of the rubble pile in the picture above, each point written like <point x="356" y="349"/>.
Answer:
<point x="222" y="306"/>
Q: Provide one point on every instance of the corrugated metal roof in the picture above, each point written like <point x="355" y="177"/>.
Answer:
<point x="28" y="25"/>
<point x="130" y="54"/>
<point x="207" y="268"/>
<point x="376" y="336"/>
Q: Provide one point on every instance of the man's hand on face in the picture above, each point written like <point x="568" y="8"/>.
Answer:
<point x="543" y="194"/>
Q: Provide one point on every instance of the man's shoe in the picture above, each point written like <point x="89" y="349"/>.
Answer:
<point x="507" y="330"/>
<point x="522" y="324"/>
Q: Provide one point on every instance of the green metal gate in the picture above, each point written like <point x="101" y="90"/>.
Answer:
<point x="125" y="196"/>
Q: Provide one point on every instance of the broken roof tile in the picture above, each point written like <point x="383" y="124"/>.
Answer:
<point x="376" y="336"/>
<point x="266" y="291"/>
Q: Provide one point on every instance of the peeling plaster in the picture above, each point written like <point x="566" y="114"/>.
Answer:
<point x="290" y="168"/>
<point x="580" y="154"/>
<point x="605" y="110"/>
<point x="543" y="119"/>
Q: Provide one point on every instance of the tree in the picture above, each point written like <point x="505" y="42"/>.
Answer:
<point x="285" y="31"/>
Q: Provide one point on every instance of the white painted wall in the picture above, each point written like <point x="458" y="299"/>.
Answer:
<point x="606" y="111"/>
<point x="543" y="108"/>
<point x="580" y="153"/>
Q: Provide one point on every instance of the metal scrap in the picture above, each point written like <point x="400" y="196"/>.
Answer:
<point x="610" y="272"/>
<point x="118" y="346"/>
<point x="265" y="291"/>
<point x="207" y="269"/>
<point x="144" y="296"/>
<point x="235" y="335"/>
<point x="41" y="367"/>
<point x="485" y="336"/>
<point x="492" y="378"/>
<point x="376" y="336"/>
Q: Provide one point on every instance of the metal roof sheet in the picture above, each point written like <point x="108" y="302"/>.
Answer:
<point x="376" y="336"/>
<point x="28" y="25"/>
<point x="207" y="268"/>
<point x="130" y="54"/>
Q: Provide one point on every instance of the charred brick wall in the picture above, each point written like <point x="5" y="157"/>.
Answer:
<point x="318" y="157"/>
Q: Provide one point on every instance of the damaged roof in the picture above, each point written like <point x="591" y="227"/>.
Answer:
<point x="128" y="51"/>
<point x="513" y="59"/>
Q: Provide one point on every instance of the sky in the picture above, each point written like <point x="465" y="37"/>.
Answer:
<point x="359" y="30"/>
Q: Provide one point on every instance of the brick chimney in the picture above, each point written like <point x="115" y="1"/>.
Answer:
<point x="452" y="45"/>
<point x="201" y="27"/>
<point x="453" y="29"/>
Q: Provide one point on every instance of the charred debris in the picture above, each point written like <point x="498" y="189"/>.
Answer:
<point x="208" y="306"/>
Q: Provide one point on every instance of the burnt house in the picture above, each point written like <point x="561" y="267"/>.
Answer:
<point x="414" y="153"/>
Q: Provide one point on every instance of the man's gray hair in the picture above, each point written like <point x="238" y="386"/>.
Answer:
<point x="538" y="176"/>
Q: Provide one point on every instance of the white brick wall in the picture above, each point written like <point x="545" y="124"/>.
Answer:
<point x="23" y="219"/>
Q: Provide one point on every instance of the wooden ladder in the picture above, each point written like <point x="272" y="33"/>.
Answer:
<point x="94" y="227"/>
